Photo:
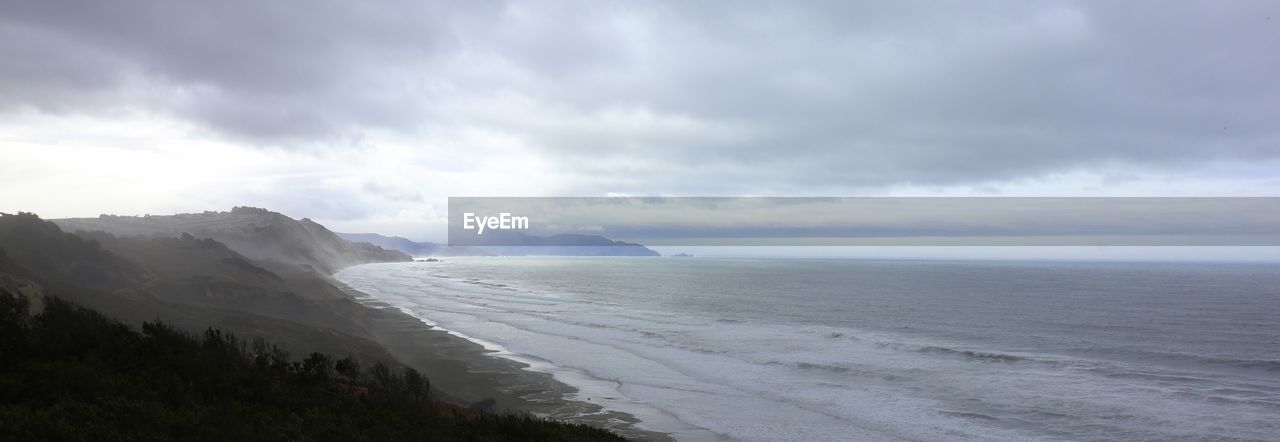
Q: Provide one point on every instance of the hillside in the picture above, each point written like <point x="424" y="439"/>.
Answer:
<point x="256" y="233"/>
<point x="191" y="283"/>
<point x="70" y="373"/>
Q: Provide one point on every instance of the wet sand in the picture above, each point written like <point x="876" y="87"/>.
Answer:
<point x="464" y="372"/>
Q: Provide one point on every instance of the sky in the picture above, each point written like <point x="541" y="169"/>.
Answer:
<point x="367" y="116"/>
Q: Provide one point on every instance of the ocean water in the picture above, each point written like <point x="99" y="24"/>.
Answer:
<point x="832" y="349"/>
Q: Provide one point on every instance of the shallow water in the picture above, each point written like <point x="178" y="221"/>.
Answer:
<point x="828" y="349"/>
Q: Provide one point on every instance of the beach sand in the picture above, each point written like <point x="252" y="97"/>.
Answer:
<point x="464" y="372"/>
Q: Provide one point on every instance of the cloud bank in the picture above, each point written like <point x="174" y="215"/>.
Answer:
<point x="398" y="104"/>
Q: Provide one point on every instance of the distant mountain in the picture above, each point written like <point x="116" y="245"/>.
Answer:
<point x="412" y="247"/>
<point x="506" y="242"/>
<point x="510" y="243"/>
<point x="256" y="233"/>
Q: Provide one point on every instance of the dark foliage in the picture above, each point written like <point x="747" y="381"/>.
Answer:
<point x="70" y="373"/>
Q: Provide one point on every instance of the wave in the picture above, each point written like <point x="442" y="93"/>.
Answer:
<point x="1268" y="365"/>
<point x="1264" y="364"/>
<point x="826" y="367"/>
<point x="969" y="415"/>
<point x="974" y="355"/>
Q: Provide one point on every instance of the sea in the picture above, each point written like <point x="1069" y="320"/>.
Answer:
<point x="862" y="349"/>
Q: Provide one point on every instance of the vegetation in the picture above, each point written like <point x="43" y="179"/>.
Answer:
<point x="70" y="373"/>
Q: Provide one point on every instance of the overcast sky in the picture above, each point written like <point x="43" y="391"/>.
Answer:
<point x="366" y="115"/>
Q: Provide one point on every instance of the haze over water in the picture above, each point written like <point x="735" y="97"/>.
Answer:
<point x="830" y="349"/>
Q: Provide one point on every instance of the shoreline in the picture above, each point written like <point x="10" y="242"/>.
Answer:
<point x="466" y="372"/>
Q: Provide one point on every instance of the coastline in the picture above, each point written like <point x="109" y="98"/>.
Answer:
<point x="465" y="372"/>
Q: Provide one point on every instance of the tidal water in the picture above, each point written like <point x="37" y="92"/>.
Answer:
<point x="840" y="349"/>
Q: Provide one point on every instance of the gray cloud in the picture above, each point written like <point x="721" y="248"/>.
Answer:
<point x="707" y="98"/>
